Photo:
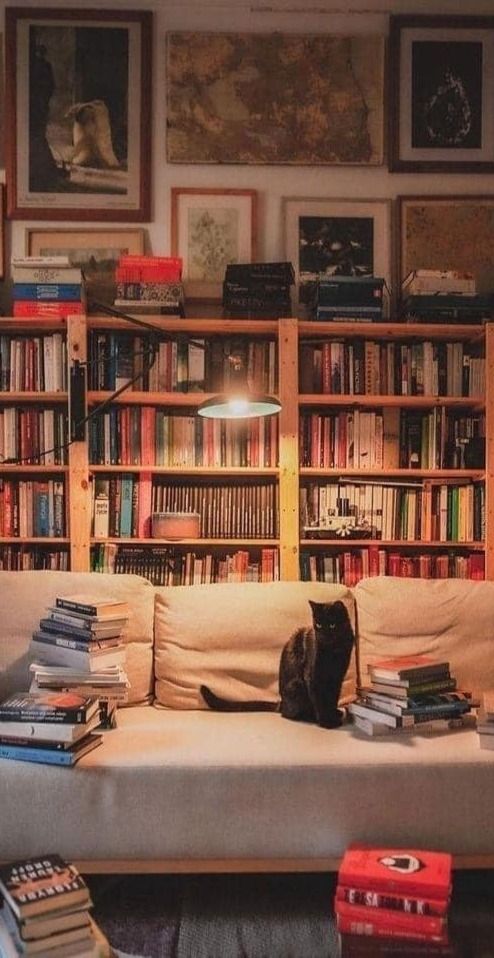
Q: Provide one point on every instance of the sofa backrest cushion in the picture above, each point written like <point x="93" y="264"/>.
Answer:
<point x="450" y="619"/>
<point x="24" y="598"/>
<point x="229" y="636"/>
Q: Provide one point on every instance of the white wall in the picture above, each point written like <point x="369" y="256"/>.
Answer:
<point x="272" y="182"/>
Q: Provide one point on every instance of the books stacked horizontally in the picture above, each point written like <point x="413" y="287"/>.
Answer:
<point x="48" y="727"/>
<point x="46" y="286"/>
<point x="485" y="720"/>
<point x="150" y="284"/>
<point x="389" y="893"/>
<point x="258" y="289"/>
<point x="444" y="296"/>
<point x="79" y="648"/>
<point x="46" y="911"/>
<point x="409" y="693"/>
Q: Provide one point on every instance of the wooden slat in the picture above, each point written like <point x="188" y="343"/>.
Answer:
<point x="489" y="452"/>
<point x="78" y="491"/>
<point x="288" y="451"/>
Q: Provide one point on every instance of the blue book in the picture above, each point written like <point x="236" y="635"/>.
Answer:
<point x="126" y="506"/>
<point x="49" y="755"/>
<point x="65" y="292"/>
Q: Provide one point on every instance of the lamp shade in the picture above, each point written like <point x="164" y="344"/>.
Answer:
<point x="239" y="407"/>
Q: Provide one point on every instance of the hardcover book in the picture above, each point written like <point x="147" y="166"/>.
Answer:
<point x="40" y="885"/>
<point x="50" y="754"/>
<point x="408" y="871"/>
<point x="92" y="605"/>
<point x="408" y="667"/>
<point x="60" y="707"/>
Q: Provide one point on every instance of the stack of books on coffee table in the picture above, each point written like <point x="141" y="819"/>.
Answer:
<point x="46" y="911"/>
<point x="409" y="693"/>
<point x="79" y="647"/>
<point x="393" y="893"/>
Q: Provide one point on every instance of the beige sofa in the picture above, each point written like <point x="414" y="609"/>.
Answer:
<point x="176" y="787"/>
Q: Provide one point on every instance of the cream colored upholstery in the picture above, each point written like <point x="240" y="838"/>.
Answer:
<point x="230" y="637"/>
<point x="449" y="619"/>
<point x="24" y="598"/>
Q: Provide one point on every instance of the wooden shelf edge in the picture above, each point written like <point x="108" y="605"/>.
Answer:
<point x="199" y="543"/>
<point x="212" y="471"/>
<point x="391" y="544"/>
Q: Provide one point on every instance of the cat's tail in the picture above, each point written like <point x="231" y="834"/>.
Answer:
<point x="226" y="705"/>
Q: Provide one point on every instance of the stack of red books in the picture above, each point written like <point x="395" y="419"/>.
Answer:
<point x="393" y="894"/>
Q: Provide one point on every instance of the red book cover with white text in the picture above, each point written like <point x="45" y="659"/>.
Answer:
<point x="381" y="922"/>
<point x="409" y="871"/>
<point x="407" y="904"/>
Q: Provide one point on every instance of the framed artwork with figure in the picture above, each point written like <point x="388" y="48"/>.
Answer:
<point x="78" y="114"/>
<point x="441" y="94"/>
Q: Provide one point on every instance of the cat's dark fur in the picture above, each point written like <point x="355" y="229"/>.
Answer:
<point x="313" y="665"/>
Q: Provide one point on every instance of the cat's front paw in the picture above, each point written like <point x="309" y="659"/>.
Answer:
<point x="334" y="720"/>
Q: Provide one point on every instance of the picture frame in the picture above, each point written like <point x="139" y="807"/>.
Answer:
<point x="78" y="114"/>
<point x="275" y="98"/>
<point x="447" y="232"/>
<point x="441" y="86"/>
<point x="337" y="237"/>
<point x="95" y="251"/>
<point x="211" y="228"/>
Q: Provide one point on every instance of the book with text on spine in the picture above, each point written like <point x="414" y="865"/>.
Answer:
<point x="50" y="755"/>
<point x="60" y="707"/>
<point x="36" y="886"/>
<point x="409" y="667"/>
<point x="93" y="605"/>
<point x="408" y="871"/>
<point x="48" y="731"/>
<point x="381" y="922"/>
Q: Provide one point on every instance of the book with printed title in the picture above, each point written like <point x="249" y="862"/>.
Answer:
<point x="408" y="871"/>
<point x="403" y="667"/>
<point x="40" y="885"/>
<point x="53" y="707"/>
<point x="88" y="604"/>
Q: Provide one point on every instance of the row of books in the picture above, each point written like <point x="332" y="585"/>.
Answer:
<point x="172" y="566"/>
<point x="32" y="507"/>
<point x="389" y="438"/>
<point x="33" y="363"/>
<point x="409" y="693"/>
<point x="46" y="911"/>
<point x="377" y="367"/>
<point x="186" y="364"/>
<point x="394" y="895"/>
<point x="427" y="511"/>
<point x="32" y="434"/>
<point x="349" y="566"/>
<point x="33" y="296"/>
<point x="20" y="558"/>
<point x="146" y="435"/>
<point x="122" y="506"/>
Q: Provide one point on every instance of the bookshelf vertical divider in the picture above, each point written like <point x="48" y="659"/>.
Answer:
<point x="79" y="493"/>
<point x="489" y="451"/>
<point x="288" y="449"/>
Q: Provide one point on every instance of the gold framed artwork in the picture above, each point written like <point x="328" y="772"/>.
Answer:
<point x="210" y="229"/>
<point x="95" y="251"/>
<point x="78" y="113"/>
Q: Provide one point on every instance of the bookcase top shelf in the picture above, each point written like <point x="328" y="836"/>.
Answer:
<point x="178" y="543"/>
<point x="194" y="327"/>
<point x="419" y="402"/>
<point x="53" y="541"/>
<point x="423" y="331"/>
<point x="476" y="475"/>
<point x="219" y="471"/>
<point x="397" y="544"/>
<point x="33" y="397"/>
<point x="31" y="468"/>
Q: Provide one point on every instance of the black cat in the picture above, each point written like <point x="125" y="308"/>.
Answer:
<point x="313" y="665"/>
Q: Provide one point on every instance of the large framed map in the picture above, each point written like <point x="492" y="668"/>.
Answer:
<point x="275" y="98"/>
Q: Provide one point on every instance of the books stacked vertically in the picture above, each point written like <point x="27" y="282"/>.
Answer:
<point x="410" y="693"/>
<point x="46" y="286"/>
<point x="258" y="290"/>
<point x="150" y="284"/>
<point x="52" y="728"/>
<point x="46" y="911"/>
<point x="393" y="893"/>
<point x="79" y="648"/>
<point x="485" y="720"/>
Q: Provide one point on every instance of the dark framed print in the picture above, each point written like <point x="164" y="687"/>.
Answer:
<point x="441" y="93"/>
<point x="78" y="114"/>
<point x="447" y="232"/>
<point x="334" y="237"/>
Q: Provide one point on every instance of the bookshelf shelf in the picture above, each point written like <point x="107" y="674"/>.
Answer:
<point x="404" y="402"/>
<point x="192" y="327"/>
<point x="420" y="331"/>
<point x="40" y="398"/>
<point x="196" y="543"/>
<point x="397" y="544"/>
<point x="474" y="475"/>
<point x="30" y="469"/>
<point x="36" y="540"/>
<point x="220" y="472"/>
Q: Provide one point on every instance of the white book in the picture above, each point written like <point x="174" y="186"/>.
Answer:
<point x="39" y="261"/>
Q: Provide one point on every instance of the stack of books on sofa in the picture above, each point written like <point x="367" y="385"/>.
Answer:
<point x="50" y="728"/>
<point x="150" y="284"/>
<point x="409" y="693"/>
<point x="46" y="911"/>
<point x="485" y="720"/>
<point x="387" y="894"/>
<point x="79" y="648"/>
<point x="46" y="286"/>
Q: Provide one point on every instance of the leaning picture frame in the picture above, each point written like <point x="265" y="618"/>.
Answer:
<point x="337" y="237"/>
<point x="95" y="251"/>
<point x="441" y="106"/>
<point x="447" y="233"/>
<point x="78" y="114"/>
<point x="210" y="229"/>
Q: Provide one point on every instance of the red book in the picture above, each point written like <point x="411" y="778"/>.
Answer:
<point x="28" y="307"/>
<point x="144" y="505"/>
<point x="383" y="922"/>
<point x="404" y="904"/>
<point x="406" y="871"/>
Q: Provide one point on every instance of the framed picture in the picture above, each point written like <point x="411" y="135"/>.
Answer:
<point x="211" y="228"/>
<point x="78" y="114"/>
<point x="336" y="237"/>
<point x="275" y="98"/>
<point x="448" y="232"/>
<point x="441" y="94"/>
<point x="96" y="252"/>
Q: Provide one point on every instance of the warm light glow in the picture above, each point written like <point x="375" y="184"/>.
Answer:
<point x="237" y="407"/>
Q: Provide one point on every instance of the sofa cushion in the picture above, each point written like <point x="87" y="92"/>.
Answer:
<point x="449" y="619"/>
<point x="24" y="600"/>
<point x="230" y="635"/>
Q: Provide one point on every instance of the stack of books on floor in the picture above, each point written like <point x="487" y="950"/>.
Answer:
<point x="485" y="720"/>
<point x="150" y="284"/>
<point x="50" y="728"/>
<point x="46" y="911"/>
<point x="79" y="648"/>
<point x="258" y="290"/>
<point x="410" y="693"/>
<point x="46" y="286"/>
<point x="387" y="894"/>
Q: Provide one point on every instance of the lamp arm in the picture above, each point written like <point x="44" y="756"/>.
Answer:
<point x="161" y="334"/>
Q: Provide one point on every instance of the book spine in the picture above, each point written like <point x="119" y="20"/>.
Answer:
<point x="45" y="756"/>
<point x="408" y="905"/>
<point x="85" y="609"/>
<point x="388" y="922"/>
<point x="27" y="308"/>
<point x="29" y="715"/>
<point x="39" y="292"/>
